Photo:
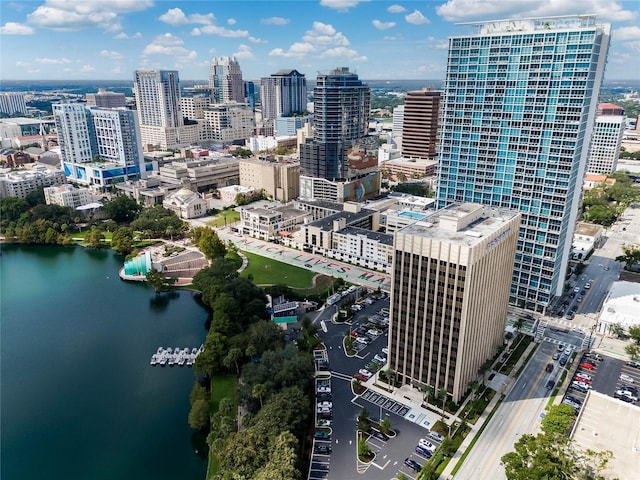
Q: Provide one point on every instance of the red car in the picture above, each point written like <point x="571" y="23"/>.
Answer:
<point x="588" y="366"/>
<point x="581" y="380"/>
<point x="360" y="377"/>
<point x="354" y="333"/>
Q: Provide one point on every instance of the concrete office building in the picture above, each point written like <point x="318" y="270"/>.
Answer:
<point x="605" y="143"/>
<point x="278" y="179"/>
<point x="225" y="80"/>
<point x="283" y="93"/>
<point x="520" y="101"/>
<point x="20" y="183"/>
<point x="106" y="99"/>
<point x="68" y="196"/>
<point x="420" y="124"/>
<point x="444" y="324"/>
<point x="12" y="102"/>
<point x="157" y="94"/>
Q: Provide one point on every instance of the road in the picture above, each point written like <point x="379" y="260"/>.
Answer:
<point x="518" y="414"/>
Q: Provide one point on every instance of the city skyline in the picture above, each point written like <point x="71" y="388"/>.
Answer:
<point x="105" y="40"/>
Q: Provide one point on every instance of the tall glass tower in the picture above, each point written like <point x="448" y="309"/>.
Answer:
<point x="520" y="100"/>
<point x="225" y="79"/>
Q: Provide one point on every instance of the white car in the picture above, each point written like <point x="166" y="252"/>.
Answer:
<point x="363" y="340"/>
<point x="385" y="350"/>
<point x="325" y="405"/>
<point x="380" y="358"/>
<point x="324" y="389"/>
<point x="373" y="332"/>
<point x="436" y="435"/>
<point x="626" y="378"/>
<point x="323" y="422"/>
<point x="576" y="289"/>
<point x="365" y="372"/>
<point x="424" y="443"/>
<point x="583" y="375"/>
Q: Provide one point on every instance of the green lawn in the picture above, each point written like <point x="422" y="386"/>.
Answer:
<point x="267" y="272"/>
<point x="221" y="386"/>
<point x="226" y="217"/>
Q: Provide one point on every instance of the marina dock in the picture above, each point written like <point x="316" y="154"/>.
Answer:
<point x="177" y="356"/>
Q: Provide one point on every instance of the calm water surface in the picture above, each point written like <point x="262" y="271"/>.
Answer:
<point x="78" y="397"/>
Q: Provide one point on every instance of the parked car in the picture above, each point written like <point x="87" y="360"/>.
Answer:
<point x="320" y="435"/>
<point x="322" y="449"/>
<point x="363" y="340"/>
<point x="323" y="389"/>
<point x="551" y="384"/>
<point x="576" y="289"/>
<point x="549" y="367"/>
<point x="563" y="360"/>
<point x="573" y="399"/>
<point x="378" y="434"/>
<point x="581" y="387"/>
<point x="365" y="372"/>
<point x="380" y="358"/>
<point x="385" y="350"/>
<point x="626" y="393"/>
<point x="556" y="355"/>
<point x="560" y="347"/>
<point x="584" y="376"/>
<point x="633" y="364"/>
<point x="412" y="464"/>
<point x="587" y="365"/>
<point x="423" y="451"/>
<point x="630" y="388"/>
<point x="626" y="378"/>
<point x="361" y="377"/>
<point x="373" y="332"/>
<point x="595" y="356"/>
<point x="436" y="436"/>
<point x="619" y="394"/>
<point x="325" y="405"/>
<point x="424" y="443"/>
<point x="323" y="423"/>
<point x="581" y="380"/>
<point x="587" y="286"/>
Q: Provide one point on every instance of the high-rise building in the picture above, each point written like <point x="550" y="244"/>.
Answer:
<point x="283" y="93"/>
<point x="605" y="143"/>
<point x="157" y="94"/>
<point x="444" y="325"/>
<point x="341" y="117"/>
<point x="225" y="80"/>
<point x="12" y="102"/>
<point x="420" y="124"/>
<point x="520" y="100"/>
<point x="398" y="119"/>
<point x="99" y="146"/>
<point x="106" y="99"/>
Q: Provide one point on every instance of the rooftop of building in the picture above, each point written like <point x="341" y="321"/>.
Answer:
<point x="466" y="223"/>
<point x="326" y="223"/>
<point x="326" y="204"/>
<point x="287" y="211"/>
<point x="606" y="423"/>
<point x="588" y="229"/>
<point x="384" y="238"/>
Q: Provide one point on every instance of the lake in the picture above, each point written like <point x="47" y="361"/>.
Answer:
<point x="79" y="398"/>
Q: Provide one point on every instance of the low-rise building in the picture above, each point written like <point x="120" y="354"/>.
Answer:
<point x="271" y="223"/>
<point x="586" y="239"/>
<point x="362" y="247"/>
<point x="620" y="308"/>
<point x="201" y="174"/>
<point x="185" y="204"/>
<point x="410" y="167"/>
<point x="21" y="183"/>
<point x="229" y="194"/>
<point x="279" y="179"/>
<point x="147" y="191"/>
<point x="593" y="180"/>
<point x="68" y="196"/>
<point x="358" y="190"/>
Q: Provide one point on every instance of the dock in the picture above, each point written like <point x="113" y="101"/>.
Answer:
<point x="178" y="356"/>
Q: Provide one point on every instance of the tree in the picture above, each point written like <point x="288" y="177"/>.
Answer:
<point x="633" y="350"/>
<point x="631" y="256"/>
<point x="199" y="415"/>
<point x="364" y="451"/>
<point x="259" y="391"/>
<point x="428" y="391"/>
<point x="94" y="237"/>
<point x="12" y="208"/>
<point x="484" y="368"/>
<point x="122" y="209"/>
<point x="385" y="425"/>
<point x="225" y="407"/>
<point x="210" y="245"/>
<point x="558" y="420"/>
<point x="519" y="324"/>
<point x="282" y="460"/>
<point x="442" y="394"/>
<point x="473" y="385"/>
<point x="232" y="358"/>
<point x="156" y="280"/>
<point x="363" y="415"/>
<point x="122" y="240"/>
<point x="617" y="330"/>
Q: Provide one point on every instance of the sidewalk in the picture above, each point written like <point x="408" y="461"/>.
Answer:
<point x="505" y="384"/>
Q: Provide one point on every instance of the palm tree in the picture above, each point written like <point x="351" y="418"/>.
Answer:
<point x="442" y="393"/>
<point x="428" y="392"/>
<point x="473" y="386"/>
<point x="225" y="407"/>
<point x="519" y="324"/>
<point x="259" y="391"/>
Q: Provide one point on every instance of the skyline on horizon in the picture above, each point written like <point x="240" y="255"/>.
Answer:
<point x="404" y="40"/>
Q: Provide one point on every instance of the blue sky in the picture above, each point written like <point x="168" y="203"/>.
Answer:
<point x="109" y="39"/>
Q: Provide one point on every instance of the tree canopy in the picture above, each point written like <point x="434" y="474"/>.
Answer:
<point x="122" y="209"/>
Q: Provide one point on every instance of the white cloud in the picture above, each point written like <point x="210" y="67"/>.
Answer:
<point x="383" y="25"/>
<point x="256" y="40"/>
<point x="340" y="52"/>
<point x="116" y="70"/>
<point x="13" y="28"/>
<point x="607" y="10"/>
<point x="20" y="63"/>
<point x="244" y="52"/>
<point x="52" y="61"/>
<point x="231" y="21"/>
<point x="87" y="68"/>
<point x="396" y="9"/>
<point x="325" y="34"/>
<point x="169" y="44"/>
<point x="111" y="54"/>
<point x="220" y="31"/>
<point x="274" y="21"/>
<point x="433" y="42"/>
<point x="393" y="38"/>
<point x="176" y="17"/>
<point x="340" y="5"/>
<point x="298" y="49"/>
<point x="625" y="34"/>
<point x="124" y="36"/>
<point x="67" y="15"/>
<point x="416" y="18"/>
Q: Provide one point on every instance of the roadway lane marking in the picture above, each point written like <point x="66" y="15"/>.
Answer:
<point x="512" y="423"/>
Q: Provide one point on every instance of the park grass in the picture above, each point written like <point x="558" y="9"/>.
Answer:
<point x="266" y="271"/>
<point x="222" y="386"/>
<point x="224" y="218"/>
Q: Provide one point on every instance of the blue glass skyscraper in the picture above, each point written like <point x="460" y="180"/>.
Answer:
<point x="520" y="100"/>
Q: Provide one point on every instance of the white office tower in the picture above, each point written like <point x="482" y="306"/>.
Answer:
<point x="520" y="101"/>
<point x="282" y="94"/>
<point x="225" y="80"/>
<point x="605" y="143"/>
<point x="12" y="102"/>
<point x="398" y="120"/>
<point x="157" y="94"/>
<point x="99" y="146"/>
